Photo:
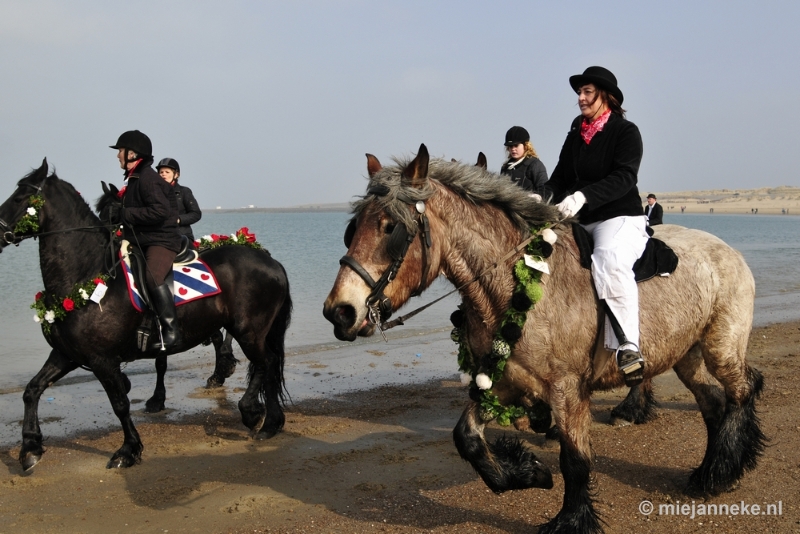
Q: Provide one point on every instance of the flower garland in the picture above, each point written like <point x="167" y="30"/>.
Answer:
<point x="76" y="299"/>
<point x="30" y="221"/>
<point x="480" y="375"/>
<point x="243" y="236"/>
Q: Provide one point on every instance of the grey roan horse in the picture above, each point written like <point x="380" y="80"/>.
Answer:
<point x="696" y="321"/>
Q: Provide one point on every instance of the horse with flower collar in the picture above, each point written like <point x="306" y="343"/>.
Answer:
<point x="254" y="305"/>
<point x="549" y="344"/>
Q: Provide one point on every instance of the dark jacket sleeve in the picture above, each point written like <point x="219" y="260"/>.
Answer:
<point x="538" y="176"/>
<point x="627" y="158"/>
<point x="563" y="178"/>
<point x="156" y="207"/>
<point x="192" y="213"/>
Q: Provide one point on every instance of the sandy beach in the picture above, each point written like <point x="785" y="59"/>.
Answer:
<point x="781" y="200"/>
<point x="365" y="459"/>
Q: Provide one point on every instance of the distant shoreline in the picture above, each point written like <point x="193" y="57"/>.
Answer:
<point x="782" y="200"/>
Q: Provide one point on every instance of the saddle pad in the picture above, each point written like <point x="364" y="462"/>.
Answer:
<point x="191" y="281"/>
<point x="656" y="259"/>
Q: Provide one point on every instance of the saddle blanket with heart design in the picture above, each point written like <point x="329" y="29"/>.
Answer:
<point x="191" y="281"/>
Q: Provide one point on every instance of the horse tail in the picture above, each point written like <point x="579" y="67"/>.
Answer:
<point x="275" y="343"/>
<point x="503" y="465"/>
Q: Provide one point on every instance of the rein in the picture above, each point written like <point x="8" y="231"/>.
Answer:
<point x="379" y="306"/>
<point x="11" y="238"/>
<point x="400" y="320"/>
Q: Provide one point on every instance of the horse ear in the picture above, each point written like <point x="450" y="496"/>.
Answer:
<point x="43" y="167"/>
<point x="105" y="187"/>
<point x="373" y="165"/>
<point x="453" y="160"/>
<point x="417" y="171"/>
<point x="481" y="161"/>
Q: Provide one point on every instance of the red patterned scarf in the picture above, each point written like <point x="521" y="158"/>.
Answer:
<point x="589" y="129"/>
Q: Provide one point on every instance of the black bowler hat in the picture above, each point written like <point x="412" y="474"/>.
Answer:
<point x="601" y="77"/>
<point x="516" y="135"/>
<point x="651" y="195"/>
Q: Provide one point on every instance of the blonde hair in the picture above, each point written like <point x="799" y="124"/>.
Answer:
<point x="530" y="152"/>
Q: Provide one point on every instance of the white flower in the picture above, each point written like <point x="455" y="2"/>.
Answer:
<point x="50" y="316"/>
<point x="549" y="236"/>
<point x="466" y="378"/>
<point x="233" y="236"/>
<point x="84" y="295"/>
<point x="483" y="381"/>
<point x="31" y="211"/>
<point x="207" y="238"/>
<point x="36" y="319"/>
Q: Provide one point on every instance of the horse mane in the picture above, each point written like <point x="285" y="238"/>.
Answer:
<point x="39" y="176"/>
<point x="474" y="184"/>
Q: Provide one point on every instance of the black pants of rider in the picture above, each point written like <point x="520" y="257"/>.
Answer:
<point x="159" y="263"/>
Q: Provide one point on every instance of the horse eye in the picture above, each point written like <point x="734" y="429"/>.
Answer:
<point x="389" y="228"/>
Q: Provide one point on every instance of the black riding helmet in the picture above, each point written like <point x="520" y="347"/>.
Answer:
<point x="135" y="141"/>
<point x="170" y="164"/>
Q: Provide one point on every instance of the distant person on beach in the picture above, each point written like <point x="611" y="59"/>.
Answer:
<point x="654" y="211"/>
<point x="595" y="179"/>
<point x="188" y="209"/>
<point x="523" y="165"/>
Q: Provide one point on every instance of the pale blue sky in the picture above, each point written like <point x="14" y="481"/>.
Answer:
<point x="275" y="103"/>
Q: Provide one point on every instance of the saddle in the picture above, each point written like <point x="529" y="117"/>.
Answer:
<point x="657" y="258"/>
<point x="136" y="261"/>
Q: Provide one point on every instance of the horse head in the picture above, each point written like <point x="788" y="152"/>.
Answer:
<point x="390" y="252"/>
<point x="18" y="206"/>
<point x="111" y="197"/>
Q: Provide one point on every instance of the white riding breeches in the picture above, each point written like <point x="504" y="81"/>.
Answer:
<point x="618" y="243"/>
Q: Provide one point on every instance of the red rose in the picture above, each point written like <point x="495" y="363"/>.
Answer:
<point x="119" y="233"/>
<point x="98" y="281"/>
<point x="38" y="296"/>
<point x="214" y="237"/>
<point x="197" y="243"/>
<point x="224" y="237"/>
<point x="251" y="238"/>
<point x="68" y="304"/>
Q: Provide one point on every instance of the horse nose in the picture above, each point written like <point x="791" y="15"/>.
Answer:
<point x="340" y="315"/>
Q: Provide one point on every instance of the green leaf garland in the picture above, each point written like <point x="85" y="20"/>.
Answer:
<point x="29" y="223"/>
<point x="528" y="281"/>
<point x="76" y="299"/>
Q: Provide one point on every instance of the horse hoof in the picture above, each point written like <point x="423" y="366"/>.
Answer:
<point x="29" y="461"/>
<point x="119" y="462"/>
<point x="153" y="407"/>
<point x="214" y="381"/>
<point x="619" y="421"/>
<point x="257" y="427"/>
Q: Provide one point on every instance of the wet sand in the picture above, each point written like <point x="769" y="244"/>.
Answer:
<point x="380" y="459"/>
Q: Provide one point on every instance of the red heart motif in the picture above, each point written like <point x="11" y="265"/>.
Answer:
<point x="182" y="290"/>
<point x="186" y="270"/>
<point x="204" y="276"/>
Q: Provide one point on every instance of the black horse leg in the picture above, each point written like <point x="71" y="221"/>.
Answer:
<point x="637" y="407"/>
<point x="226" y="363"/>
<point x="156" y="403"/>
<point x="57" y="366"/>
<point x="113" y="382"/>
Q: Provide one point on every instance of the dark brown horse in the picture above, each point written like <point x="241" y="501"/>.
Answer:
<point x="254" y="306"/>
<point x="696" y="321"/>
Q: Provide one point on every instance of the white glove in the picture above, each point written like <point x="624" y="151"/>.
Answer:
<point x="572" y="204"/>
<point x="536" y="197"/>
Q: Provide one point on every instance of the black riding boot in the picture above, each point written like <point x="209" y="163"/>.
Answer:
<point x="164" y="303"/>
<point x="631" y="364"/>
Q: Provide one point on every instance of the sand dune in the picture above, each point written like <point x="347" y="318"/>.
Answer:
<point x="767" y="200"/>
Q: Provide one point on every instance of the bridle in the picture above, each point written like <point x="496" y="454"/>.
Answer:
<point x="9" y="237"/>
<point x="379" y="306"/>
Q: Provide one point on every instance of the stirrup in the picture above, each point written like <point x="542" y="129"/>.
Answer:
<point x="631" y="364"/>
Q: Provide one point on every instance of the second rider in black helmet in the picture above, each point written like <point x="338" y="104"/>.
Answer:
<point x="149" y="216"/>
<point x="188" y="209"/>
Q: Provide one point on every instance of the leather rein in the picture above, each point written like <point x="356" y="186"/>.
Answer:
<point x="379" y="306"/>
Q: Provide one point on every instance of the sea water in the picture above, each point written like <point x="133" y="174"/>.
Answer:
<point x="309" y="245"/>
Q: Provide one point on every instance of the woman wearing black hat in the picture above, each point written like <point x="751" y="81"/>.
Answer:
<point x="188" y="209"/>
<point x="523" y="165"/>
<point x="595" y="179"/>
<point x="149" y="215"/>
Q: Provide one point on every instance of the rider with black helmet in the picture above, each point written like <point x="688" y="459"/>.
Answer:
<point x="149" y="216"/>
<point x="188" y="209"/>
